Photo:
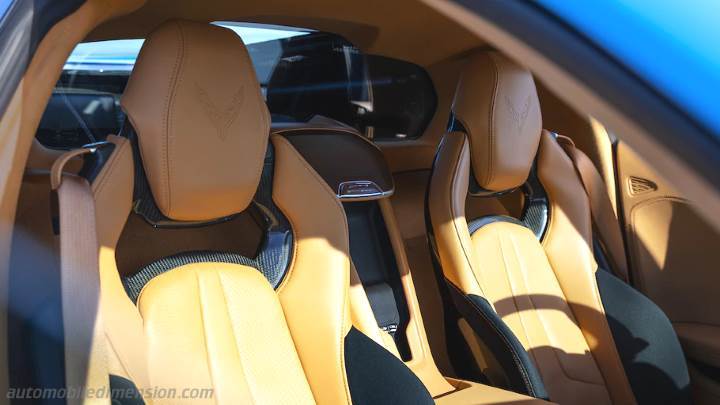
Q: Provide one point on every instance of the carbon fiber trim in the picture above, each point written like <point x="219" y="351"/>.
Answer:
<point x="273" y="256"/>
<point x="536" y="212"/>
<point x="270" y="262"/>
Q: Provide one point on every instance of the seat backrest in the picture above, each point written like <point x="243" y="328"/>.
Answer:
<point x="544" y="290"/>
<point x="210" y="319"/>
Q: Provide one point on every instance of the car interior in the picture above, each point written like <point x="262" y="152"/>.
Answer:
<point x="339" y="203"/>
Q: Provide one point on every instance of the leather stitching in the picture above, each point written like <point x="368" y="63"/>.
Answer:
<point x="201" y="307"/>
<point x="107" y="172"/>
<point x="169" y="105"/>
<point x="224" y="294"/>
<point x="453" y="215"/>
<point x="490" y="176"/>
<point x="540" y="319"/>
<point x="513" y="292"/>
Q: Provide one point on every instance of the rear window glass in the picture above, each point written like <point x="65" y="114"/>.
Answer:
<point x="403" y="97"/>
<point x="303" y="74"/>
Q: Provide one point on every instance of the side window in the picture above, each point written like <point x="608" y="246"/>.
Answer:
<point x="85" y="105"/>
<point x="404" y="99"/>
<point x="312" y="76"/>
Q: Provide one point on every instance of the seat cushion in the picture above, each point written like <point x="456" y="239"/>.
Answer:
<point x="518" y="281"/>
<point x="221" y="326"/>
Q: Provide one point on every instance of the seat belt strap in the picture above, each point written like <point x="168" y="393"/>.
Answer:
<point x="601" y="210"/>
<point x="86" y="366"/>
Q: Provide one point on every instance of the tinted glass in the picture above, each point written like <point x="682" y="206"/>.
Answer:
<point x="403" y="96"/>
<point x="303" y="74"/>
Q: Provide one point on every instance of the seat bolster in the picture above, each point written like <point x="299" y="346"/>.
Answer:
<point x="113" y="190"/>
<point x="568" y="245"/>
<point x="448" y="188"/>
<point x="314" y="292"/>
<point x="522" y="374"/>
<point x="604" y="218"/>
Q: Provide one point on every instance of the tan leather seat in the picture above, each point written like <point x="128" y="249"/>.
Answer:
<point x="184" y="306"/>
<point x="544" y="320"/>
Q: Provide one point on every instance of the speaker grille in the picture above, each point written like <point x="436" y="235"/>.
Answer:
<point x="638" y="185"/>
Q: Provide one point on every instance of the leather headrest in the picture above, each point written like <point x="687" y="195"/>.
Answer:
<point x="202" y="124"/>
<point x="497" y="103"/>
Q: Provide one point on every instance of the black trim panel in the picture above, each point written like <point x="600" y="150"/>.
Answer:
<point x="375" y="376"/>
<point x="646" y="342"/>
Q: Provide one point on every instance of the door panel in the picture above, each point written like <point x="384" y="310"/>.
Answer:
<point x="674" y="256"/>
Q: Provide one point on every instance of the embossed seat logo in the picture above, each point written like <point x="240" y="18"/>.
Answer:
<point x="221" y="118"/>
<point x="518" y="117"/>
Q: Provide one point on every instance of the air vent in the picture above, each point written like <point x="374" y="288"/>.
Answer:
<point x="638" y="185"/>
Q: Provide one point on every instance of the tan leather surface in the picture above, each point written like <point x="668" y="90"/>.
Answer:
<point x="521" y="284"/>
<point x="362" y="315"/>
<point x="569" y="231"/>
<point x="408" y="203"/>
<point x="42" y="157"/>
<point x="221" y="326"/>
<point x="673" y="250"/>
<point x="57" y="168"/>
<point x="605" y="221"/>
<point x="673" y="256"/>
<point x="566" y="281"/>
<point x="589" y="135"/>
<point x="422" y="361"/>
<point x="449" y="185"/>
<point x="478" y="394"/>
<point x="604" y="158"/>
<point x="497" y="103"/>
<point x="321" y="263"/>
<point x="113" y="190"/>
<point x="201" y="121"/>
<point x="700" y="342"/>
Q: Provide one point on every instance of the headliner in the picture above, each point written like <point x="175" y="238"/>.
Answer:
<point x="402" y="29"/>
